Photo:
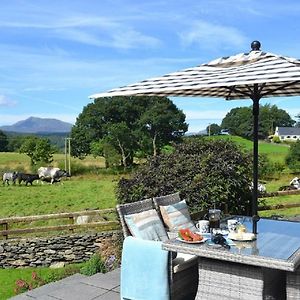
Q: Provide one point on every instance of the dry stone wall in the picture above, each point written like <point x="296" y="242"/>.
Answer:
<point x="49" y="251"/>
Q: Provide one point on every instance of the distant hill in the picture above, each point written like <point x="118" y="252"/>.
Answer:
<point x="201" y="132"/>
<point x="38" y="125"/>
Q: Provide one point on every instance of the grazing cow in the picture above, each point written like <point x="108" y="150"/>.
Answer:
<point x="27" y="178"/>
<point x="9" y="176"/>
<point x="295" y="182"/>
<point x="294" y="185"/>
<point x="52" y="174"/>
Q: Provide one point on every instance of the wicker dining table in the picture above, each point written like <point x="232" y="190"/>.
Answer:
<point x="266" y="268"/>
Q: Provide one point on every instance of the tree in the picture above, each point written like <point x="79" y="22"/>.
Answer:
<point x="239" y="121"/>
<point x="38" y="149"/>
<point x="120" y="137"/>
<point x="161" y="124"/>
<point x="15" y="142"/>
<point x="3" y="142"/>
<point x="213" y="129"/>
<point x="103" y="148"/>
<point x="129" y="124"/>
<point x="204" y="171"/>
<point x="293" y="157"/>
<point x="298" y="121"/>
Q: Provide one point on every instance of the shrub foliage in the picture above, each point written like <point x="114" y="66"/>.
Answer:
<point x="204" y="171"/>
<point x="293" y="157"/>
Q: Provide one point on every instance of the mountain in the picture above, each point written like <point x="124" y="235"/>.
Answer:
<point x="38" y="125"/>
<point x="201" y="132"/>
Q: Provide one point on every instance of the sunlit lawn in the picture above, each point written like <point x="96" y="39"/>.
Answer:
<point x="94" y="192"/>
<point x="275" y="152"/>
<point x="8" y="277"/>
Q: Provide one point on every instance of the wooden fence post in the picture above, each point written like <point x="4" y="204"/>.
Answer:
<point x="5" y="227"/>
<point x="71" y="222"/>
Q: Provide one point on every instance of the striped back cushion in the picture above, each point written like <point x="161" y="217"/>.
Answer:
<point x="176" y="216"/>
<point x="146" y="225"/>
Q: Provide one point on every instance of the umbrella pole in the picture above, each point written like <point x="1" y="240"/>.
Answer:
<point x="255" y="217"/>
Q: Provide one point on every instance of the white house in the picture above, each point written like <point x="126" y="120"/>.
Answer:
<point x="287" y="133"/>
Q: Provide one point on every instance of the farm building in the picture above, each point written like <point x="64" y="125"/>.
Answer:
<point x="287" y="133"/>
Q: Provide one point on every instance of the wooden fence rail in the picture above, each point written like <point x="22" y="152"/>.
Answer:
<point x="6" y="222"/>
<point x="279" y="206"/>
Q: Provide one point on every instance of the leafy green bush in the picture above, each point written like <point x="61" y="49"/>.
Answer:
<point x="269" y="169"/>
<point x="293" y="157"/>
<point x="276" y="139"/>
<point x="60" y="273"/>
<point x="204" y="171"/>
<point x="94" y="265"/>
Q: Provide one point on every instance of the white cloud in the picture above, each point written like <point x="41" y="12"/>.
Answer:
<point x="209" y="35"/>
<point x="125" y="38"/>
<point x="4" y="101"/>
<point x="293" y="112"/>
<point x="133" y="39"/>
<point x="89" y="30"/>
<point x="42" y="89"/>
<point x="205" y="115"/>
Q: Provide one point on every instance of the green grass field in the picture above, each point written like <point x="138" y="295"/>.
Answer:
<point x="90" y="191"/>
<point x="12" y="161"/>
<point x="8" y="277"/>
<point x="94" y="190"/>
<point x="275" y="152"/>
<point x="78" y="193"/>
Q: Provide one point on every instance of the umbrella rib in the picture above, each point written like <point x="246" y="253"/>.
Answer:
<point x="261" y="88"/>
<point x="280" y="88"/>
<point x="234" y="89"/>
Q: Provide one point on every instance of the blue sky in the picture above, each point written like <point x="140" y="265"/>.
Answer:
<point x="54" y="54"/>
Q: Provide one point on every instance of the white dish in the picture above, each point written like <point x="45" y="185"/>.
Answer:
<point x="220" y="231"/>
<point x="244" y="236"/>
<point x="191" y="242"/>
<point x="215" y="231"/>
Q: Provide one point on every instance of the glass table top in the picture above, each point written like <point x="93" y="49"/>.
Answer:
<point x="277" y="245"/>
<point x="275" y="239"/>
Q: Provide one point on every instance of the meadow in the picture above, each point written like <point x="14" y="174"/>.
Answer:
<point x="93" y="187"/>
<point x="92" y="190"/>
<point x="275" y="152"/>
<point x="75" y="194"/>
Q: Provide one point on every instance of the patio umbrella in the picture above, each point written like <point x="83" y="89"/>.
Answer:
<point x="253" y="75"/>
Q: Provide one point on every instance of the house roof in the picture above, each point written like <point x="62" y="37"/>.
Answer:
<point x="288" y="131"/>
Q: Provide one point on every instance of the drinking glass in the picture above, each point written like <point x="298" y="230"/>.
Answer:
<point x="214" y="216"/>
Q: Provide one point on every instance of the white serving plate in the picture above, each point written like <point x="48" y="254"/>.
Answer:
<point x="191" y="242"/>
<point x="244" y="236"/>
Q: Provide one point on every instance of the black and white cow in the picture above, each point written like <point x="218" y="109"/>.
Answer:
<point x="295" y="182"/>
<point x="27" y="178"/>
<point x="9" y="176"/>
<point x="51" y="174"/>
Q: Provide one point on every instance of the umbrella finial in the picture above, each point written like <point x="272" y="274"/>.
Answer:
<point x="255" y="46"/>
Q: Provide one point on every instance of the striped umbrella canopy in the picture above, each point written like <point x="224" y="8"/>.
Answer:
<point x="253" y="75"/>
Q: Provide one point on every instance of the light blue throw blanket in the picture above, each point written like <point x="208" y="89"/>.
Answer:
<point x="144" y="270"/>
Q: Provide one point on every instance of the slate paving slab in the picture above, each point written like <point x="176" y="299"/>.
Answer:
<point x="109" y="296"/>
<point x="78" y="291"/>
<point x="107" y="281"/>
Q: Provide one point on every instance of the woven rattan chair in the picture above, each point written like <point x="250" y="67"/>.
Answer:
<point x="293" y="285"/>
<point x="183" y="277"/>
<point x="167" y="199"/>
